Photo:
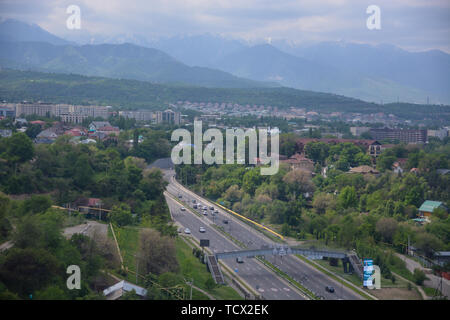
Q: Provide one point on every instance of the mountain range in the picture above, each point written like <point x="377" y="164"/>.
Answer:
<point x="382" y="73"/>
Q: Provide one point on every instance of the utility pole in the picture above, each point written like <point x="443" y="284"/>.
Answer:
<point x="191" y="283"/>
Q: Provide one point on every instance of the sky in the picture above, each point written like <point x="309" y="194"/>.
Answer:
<point x="415" y="25"/>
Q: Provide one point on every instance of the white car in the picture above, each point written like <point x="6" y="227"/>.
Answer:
<point x="205" y="208"/>
<point x="202" y="230"/>
<point x="187" y="231"/>
<point x="205" y="213"/>
<point x="216" y="211"/>
<point x="183" y="209"/>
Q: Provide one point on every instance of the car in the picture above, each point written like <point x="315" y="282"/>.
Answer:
<point x="211" y="208"/>
<point x="329" y="289"/>
<point x="194" y="201"/>
<point x="205" y="213"/>
<point x="180" y="196"/>
<point x="187" y="231"/>
<point x="225" y="221"/>
<point x="195" y="206"/>
<point x="239" y="260"/>
<point x="183" y="209"/>
<point x="202" y="230"/>
<point x="205" y="208"/>
<point x="216" y="211"/>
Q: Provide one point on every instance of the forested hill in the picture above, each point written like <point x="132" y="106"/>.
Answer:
<point x="16" y="86"/>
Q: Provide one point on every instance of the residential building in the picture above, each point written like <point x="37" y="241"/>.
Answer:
<point x="39" y="122"/>
<point x="364" y="170"/>
<point x="47" y="136"/>
<point x="7" y="110"/>
<point x="73" y="117"/>
<point x="357" y="131"/>
<point x="139" y="115"/>
<point x="116" y="291"/>
<point x="21" y="121"/>
<point x="168" y="116"/>
<point x="61" y="110"/>
<point x="297" y="161"/>
<point x="427" y="208"/>
<point x="76" y="132"/>
<point x="5" y="133"/>
<point x="441" y="133"/>
<point x="108" y="130"/>
<point x="397" y="168"/>
<point x="442" y="258"/>
<point x="402" y="135"/>
<point x="37" y="108"/>
<point x="95" y="125"/>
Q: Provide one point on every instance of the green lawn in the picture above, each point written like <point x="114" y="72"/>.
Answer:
<point x="431" y="292"/>
<point x="128" y="239"/>
<point x="191" y="267"/>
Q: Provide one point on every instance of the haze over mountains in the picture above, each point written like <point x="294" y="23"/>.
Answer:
<point x="382" y="73"/>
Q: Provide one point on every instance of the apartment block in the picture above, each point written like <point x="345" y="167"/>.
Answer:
<point x="402" y="135"/>
<point x="357" y="131"/>
<point x="139" y="115"/>
<point x="168" y="116"/>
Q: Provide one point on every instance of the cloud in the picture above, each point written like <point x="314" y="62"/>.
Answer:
<point x="420" y="24"/>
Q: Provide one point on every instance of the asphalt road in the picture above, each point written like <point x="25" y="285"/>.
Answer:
<point x="257" y="276"/>
<point x="302" y="272"/>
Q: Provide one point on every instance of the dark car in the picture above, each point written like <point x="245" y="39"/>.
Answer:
<point x="225" y="221"/>
<point x="329" y="289"/>
<point x="239" y="260"/>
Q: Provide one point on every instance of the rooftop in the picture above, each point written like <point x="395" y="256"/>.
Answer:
<point x="429" y="205"/>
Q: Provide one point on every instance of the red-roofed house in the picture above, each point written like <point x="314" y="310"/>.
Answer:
<point x="297" y="161"/>
<point x="39" y="122"/>
<point x="76" y="132"/>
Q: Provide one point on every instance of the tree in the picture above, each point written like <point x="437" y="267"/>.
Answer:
<point x="33" y="130"/>
<point x="83" y="173"/>
<point x="419" y="276"/>
<point x="385" y="160"/>
<point x="347" y="198"/>
<point x="233" y="194"/>
<point x="121" y="215"/>
<point x="157" y="253"/>
<point x="251" y="181"/>
<point x="323" y="201"/>
<point x="19" y="148"/>
<point x="299" y="181"/>
<point x="27" y="270"/>
<point x="386" y="227"/>
<point x="210" y="284"/>
<point x="317" y="151"/>
<point x="428" y="243"/>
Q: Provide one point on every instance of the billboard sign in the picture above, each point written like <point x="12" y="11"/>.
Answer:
<point x="204" y="242"/>
<point x="368" y="272"/>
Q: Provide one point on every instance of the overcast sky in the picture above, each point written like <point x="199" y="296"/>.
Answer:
<point x="410" y="24"/>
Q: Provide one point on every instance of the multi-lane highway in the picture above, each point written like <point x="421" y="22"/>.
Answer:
<point x="262" y="280"/>
<point x="259" y="277"/>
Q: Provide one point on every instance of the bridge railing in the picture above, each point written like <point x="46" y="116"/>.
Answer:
<point x="314" y="254"/>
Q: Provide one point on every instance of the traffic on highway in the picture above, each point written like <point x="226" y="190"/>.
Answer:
<point x="262" y="279"/>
